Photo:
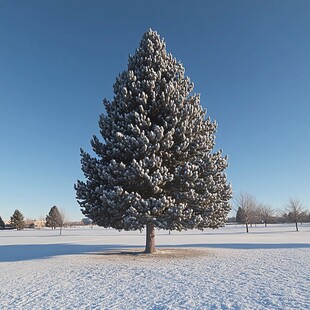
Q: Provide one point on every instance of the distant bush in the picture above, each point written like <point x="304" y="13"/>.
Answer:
<point x="86" y="221"/>
<point x="2" y="225"/>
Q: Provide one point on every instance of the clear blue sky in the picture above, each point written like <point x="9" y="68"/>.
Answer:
<point x="250" y="60"/>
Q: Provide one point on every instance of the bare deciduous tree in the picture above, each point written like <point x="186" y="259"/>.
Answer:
<point x="63" y="220"/>
<point x="266" y="213"/>
<point x="295" y="210"/>
<point x="248" y="209"/>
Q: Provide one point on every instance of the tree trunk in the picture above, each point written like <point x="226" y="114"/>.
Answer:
<point x="247" y="227"/>
<point x="150" y="239"/>
<point x="296" y="226"/>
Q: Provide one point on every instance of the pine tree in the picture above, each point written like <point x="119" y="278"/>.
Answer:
<point x="155" y="167"/>
<point x="2" y="225"/>
<point x="17" y="220"/>
<point x="240" y="216"/>
<point x="54" y="219"/>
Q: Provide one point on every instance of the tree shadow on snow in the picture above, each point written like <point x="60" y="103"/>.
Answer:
<point x="247" y="246"/>
<point x="13" y="253"/>
<point x="115" y="252"/>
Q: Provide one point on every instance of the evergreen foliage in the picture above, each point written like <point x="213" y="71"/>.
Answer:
<point x="240" y="216"/>
<point x="54" y="218"/>
<point x="17" y="220"/>
<point x="2" y="225"/>
<point x="155" y="166"/>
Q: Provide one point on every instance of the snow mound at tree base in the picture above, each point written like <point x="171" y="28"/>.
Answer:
<point x="166" y="253"/>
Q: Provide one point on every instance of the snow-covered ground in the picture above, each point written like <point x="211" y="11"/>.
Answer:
<point x="85" y="268"/>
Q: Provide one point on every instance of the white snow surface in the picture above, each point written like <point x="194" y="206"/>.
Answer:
<point x="99" y="269"/>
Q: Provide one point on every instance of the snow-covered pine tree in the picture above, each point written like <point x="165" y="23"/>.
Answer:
<point x="17" y="220"/>
<point x="155" y="167"/>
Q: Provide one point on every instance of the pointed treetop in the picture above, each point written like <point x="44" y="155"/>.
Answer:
<point x="151" y="44"/>
<point x="151" y="36"/>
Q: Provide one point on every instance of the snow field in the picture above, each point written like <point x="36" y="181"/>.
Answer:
<point x="215" y="269"/>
